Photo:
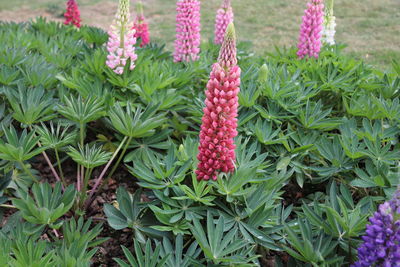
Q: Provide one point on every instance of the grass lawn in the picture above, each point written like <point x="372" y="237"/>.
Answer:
<point x="370" y="28"/>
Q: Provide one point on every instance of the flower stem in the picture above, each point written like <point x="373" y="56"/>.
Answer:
<point x="54" y="172"/>
<point x="82" y="133"/>
<point x="98" y="181"/>
<point x="7" y="206"/>
<point x="60" y="168"/>
<point x="120" y="158"/>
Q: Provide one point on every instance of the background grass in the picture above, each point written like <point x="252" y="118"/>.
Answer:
<point x="370" y="28"/>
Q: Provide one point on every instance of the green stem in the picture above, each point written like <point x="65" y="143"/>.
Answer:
<point x="7" y="206"/>
<point x="87" y="177"/>
<point x="27" y="171"/>
<point x="82" y="133"/>
<point x="85" y="186"/>
<point x="120" y="158"/>
<point x="59" y="167"/>
<point x="100" y="178"/>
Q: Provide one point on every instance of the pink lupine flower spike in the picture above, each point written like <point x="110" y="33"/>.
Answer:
<point x="187" y="43"/>
<point x="72" y="15"/>
<point x="121" y="40"/>
<point x="311" y="30"/>
<point x="141" y="27"/>
<point x="219" y="122"/>
<point x="222" y="20"/>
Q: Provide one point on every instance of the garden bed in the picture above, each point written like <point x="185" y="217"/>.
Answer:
<point x="317" y="151"/>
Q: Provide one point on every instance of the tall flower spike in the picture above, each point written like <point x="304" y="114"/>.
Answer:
<point x="187" y="43"/>
<point x="311" y="30"/>
<point x="72" y="15"/>
<point x="219" y="122"/>
<point x="222" y="20"/>
<point x="121" y="40"/>
<point x="328" y="33"/>
<point x="381" y="245"/>
<point x="141" y="27"/>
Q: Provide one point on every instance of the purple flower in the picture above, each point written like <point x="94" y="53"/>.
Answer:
<point x="381" y="245"/>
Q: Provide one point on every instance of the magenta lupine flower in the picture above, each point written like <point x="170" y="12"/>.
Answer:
<point x="141" y="27"/>
<point x="219" y="122"/>
<point x="381" y="245"/>
<point x="187" y="43"/>
<point x="72" y="15"/>
<point x="222" y="20"/>
<point x="311" y="30"/>
<point x="121" y="40"/>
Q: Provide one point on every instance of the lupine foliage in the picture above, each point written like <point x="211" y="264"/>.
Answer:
<point x="317" y="151"/>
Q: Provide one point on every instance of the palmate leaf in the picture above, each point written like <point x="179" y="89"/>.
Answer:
<point x="273" y="112"/>
<point x="248" y="95"/>
<point x="249" y="155"/>
<point x="232" y="186"/>
<point x="332" y="151"/>
<point x="310" y="247"/>
<point x="89" y="156"/>
<point x="171" y="220"/>
<point x="160" y="173"/>
<point x="31" y="254"/>
<point x="177" y="255"/>
<point x="304" y="141"/>
<point x="313" y="117"/>
<point x="147" y="257"/>
<point x="349" y="141"/>
<point x="254" y="218"/>
<point x="389" y="108"/>
<point x="343" y="219"/>
<point x="199" y="193"/>
<point x="8" y="75"/>
<point x="176" y="209"/>
<point x="266" y="135"/>
<point x="152" y="144"/>
<point x="81" y="110"/>
<point x="381" y="153"/>
<point x="37" y="72"/>
<point x="131" y="214"/>
<point x="47" y="204"/>
<point x="374" y="130"/>
<point x="79" y="233"/>
<point x="56" y="137"/>
<point x="372" y="176"/>
<point x="218" y="243"/>
<point x="31" y="105"/>
<point x="135" y="123"/>
<point x="19" y="147"/>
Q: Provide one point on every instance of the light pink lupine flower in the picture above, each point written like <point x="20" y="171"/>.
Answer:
<point x="187" y="43"/>
<point x="121" y="40"/>
<point x="311" y="30"/>
<point x="72" y="15"/>
<point x="141" y="27"/>
<point x="222" y="20"/>
<point x="219" y="122"/>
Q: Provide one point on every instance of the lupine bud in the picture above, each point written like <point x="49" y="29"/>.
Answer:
<point x="121" y="40"/>
<point x="187" y="43"/>
<point x="72" y="15"/>
<point x="222" y="20"/>
<point x="141" y="27"/>
<point x="219" y="122"/>
<point x="263" y="73"/>
<point x="381" y="245"/>
<point x="311" y="30"/>
<point x="328" y="33"/>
